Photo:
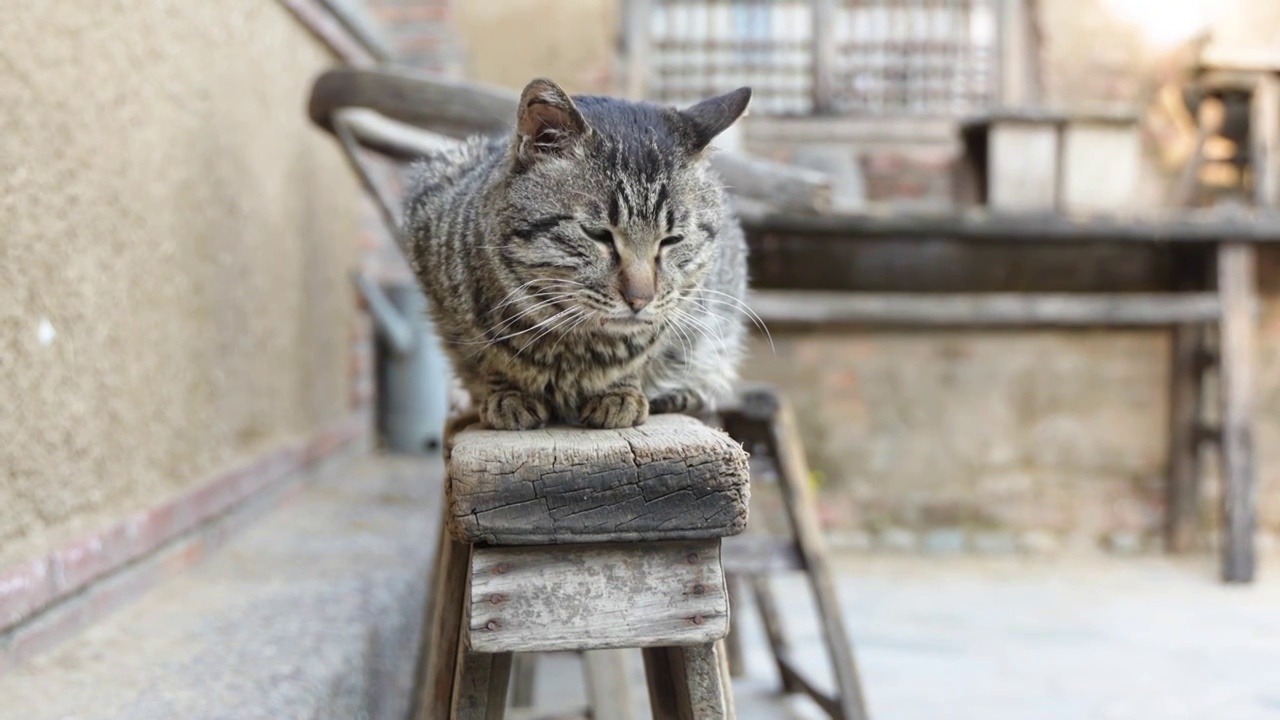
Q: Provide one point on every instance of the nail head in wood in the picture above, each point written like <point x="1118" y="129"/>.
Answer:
<point x="590" y="597"/>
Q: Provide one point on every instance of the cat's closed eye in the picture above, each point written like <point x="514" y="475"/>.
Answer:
<point x="601" y="235"/>
<point x="670" y="240"/>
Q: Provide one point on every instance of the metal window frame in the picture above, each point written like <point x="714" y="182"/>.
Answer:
<point x="1013" y="68"/>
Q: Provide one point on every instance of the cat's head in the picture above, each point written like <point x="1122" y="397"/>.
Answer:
<point x="608" y="204"/>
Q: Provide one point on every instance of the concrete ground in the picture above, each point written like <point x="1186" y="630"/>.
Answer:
<point x="1016" y="639"/>
<point x="313" y="613"/>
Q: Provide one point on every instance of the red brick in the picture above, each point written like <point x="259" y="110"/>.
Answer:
<point x="89" y="558"/>
<point x="24" y="589"/>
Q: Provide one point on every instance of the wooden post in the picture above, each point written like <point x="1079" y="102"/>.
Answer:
<point x="1265" y="141"/>
<point x="637" y="19"/>
<point x="1236" y="283"/>
<point x="449" y="594"/>
<point x="608" y="684"/>
<point x="1186" y="375"/>
<point x="824" y="57"/>
<point x="1017" y="55"/>
<point x="524" y="671"/>
<point x="480" y="685"/>
<point x="687" y="683"/>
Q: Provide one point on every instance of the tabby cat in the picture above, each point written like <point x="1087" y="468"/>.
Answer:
<point x="586" y="268"/>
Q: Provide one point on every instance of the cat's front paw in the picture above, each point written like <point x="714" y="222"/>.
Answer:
<point x="514" y="410"/>
<point x="684" y="400"/>
<point x="616" y="409"/>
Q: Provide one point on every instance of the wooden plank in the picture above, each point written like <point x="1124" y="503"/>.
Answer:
<point x="591" y="597"/>
<point x="392" y="138"/>
<point x="777" y="307"/>
<point x="825" y="56"/>
<point x="608" y="684"/>
<point x="480" y="685"/>
<point x="670" y="478"/>
<point x="1237" y="274"/>
<point x="450" y="107"/>
<point x="982" y="225"/>
<point x="750" y="554"/>
<point x="685" y="683"/>
<point x="410" y="103"/>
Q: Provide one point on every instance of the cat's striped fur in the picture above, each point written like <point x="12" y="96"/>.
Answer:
<point x="585" y="268"/>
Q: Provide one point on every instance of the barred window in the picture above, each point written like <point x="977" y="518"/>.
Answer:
<point x="888" y="57"/>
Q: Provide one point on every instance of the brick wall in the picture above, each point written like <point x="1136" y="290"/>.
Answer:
<point x="422" y="35"/>
<point x="421" y="32"/>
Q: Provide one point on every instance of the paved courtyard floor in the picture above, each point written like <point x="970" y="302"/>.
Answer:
<point x="1020" y="639"/>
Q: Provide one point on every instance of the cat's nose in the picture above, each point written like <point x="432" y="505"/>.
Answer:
<point x="637" y="301"/>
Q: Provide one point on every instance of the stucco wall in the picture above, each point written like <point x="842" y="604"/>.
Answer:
<point x="509" y="42"/>
<point x="174" y="243"/>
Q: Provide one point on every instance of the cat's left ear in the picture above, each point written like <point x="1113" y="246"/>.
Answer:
<point x="547" y="123"/>
<point x="711" y="117"/>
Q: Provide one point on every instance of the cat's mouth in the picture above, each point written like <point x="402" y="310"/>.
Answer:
<point x="624" y="321"/>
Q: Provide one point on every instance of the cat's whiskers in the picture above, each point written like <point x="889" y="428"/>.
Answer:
<point x="715" y="339"/>
<point x="486" y="342"/>
<point x="583" y="318"/>
<point x="686" y="344"/>
<point x="551" y="329"/>
<point x="742" y="307"/>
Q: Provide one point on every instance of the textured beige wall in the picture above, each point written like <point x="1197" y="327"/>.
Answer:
<point x="167" y="211"/>
<point x="509" y="42"/>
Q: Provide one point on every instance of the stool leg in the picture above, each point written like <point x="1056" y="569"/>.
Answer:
<point x="686" y="683"/>
<point x="523" y="673"/>
<point x="733" y="643"/>
<point x="1237" y="390"/>
<point x="608" y="689"/>
<point x="793" y="474"/>
<point x="480" y="685"/>
<point x="768" y="610"/>
<point x="449" y="589"/>
<point x="1183" y="490"/>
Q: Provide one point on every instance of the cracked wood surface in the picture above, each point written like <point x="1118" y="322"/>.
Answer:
<point x="592" y="597"/>
<point x="672" y="478"/>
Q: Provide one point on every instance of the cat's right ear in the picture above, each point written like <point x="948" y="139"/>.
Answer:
<point x="547" y="122"/>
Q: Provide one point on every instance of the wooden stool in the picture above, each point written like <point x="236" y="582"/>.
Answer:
<point x="763" y="422"/>
<point x="568" y="539"/>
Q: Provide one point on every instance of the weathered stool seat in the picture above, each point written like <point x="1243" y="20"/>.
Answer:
<point x="672" y="478"/>
<point x="573" y="539"/>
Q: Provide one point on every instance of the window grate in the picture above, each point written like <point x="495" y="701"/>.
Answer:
<point x="890" y="57"/>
